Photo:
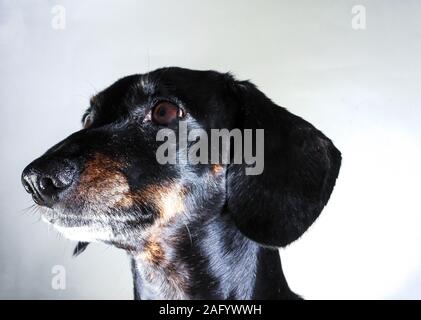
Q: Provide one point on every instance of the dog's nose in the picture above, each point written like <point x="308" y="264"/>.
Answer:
<point x="47" y="180"/>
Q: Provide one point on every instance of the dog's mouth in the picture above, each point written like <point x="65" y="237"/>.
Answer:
<point x="99" y="204"/>
<point x="76" y="226"/>
<point x="62" y="218"/>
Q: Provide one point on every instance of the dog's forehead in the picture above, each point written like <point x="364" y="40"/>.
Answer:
<point x="157" y="81"/>
<point x="176" y="83"/>
<point x="117" y="92"/>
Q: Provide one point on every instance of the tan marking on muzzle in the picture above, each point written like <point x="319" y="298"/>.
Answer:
<point x="103" y="182"/>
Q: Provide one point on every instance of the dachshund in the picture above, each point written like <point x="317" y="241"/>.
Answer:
<point x="191" y="231"/>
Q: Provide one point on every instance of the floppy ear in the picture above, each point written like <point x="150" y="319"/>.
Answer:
<point x="300" y="168"/>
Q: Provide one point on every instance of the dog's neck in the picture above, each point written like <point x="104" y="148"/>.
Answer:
<point x="202" y="259"/>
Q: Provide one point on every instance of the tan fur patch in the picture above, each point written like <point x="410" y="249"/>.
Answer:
<point x="160" y="268"/>
<point x="102" y="181"/>
<point x="169" y="199"/>
<point x="171" y="202"/>
<point x="168" y="276"/>
<point x="217" y="169"/>
<point x="153" y="252"/>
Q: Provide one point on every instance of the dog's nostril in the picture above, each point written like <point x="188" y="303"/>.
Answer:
<point x="46" y="184"/>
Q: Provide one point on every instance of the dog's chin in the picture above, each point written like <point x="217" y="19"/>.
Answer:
<point x="77" y="229"/>
<point x="86" y="233"/>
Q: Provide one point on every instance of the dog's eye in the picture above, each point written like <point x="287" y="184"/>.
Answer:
<point x="165" y="112"/>
<point x="87" y="121"/>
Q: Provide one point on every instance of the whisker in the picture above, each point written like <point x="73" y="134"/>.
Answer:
<point x="24" y="210"/>
<point x="188" y="231"/>
<point x="187" y="227"/>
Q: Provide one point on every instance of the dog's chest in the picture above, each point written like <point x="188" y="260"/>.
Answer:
<point x="168" y="281"/>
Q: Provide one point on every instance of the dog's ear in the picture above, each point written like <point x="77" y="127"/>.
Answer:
<point x="80" y="247"/>
<point x="300" y="168"/>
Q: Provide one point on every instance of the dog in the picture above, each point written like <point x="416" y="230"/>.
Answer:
<point x="203" y="231"/>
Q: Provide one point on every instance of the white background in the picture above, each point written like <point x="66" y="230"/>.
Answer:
<point x="360" y="87"/>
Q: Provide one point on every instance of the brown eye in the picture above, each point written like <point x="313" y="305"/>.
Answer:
<point x="165" y="112"/>
<point x="87" y="121"/>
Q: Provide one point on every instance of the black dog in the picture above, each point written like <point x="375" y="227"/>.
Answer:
<point x="205" y="231"/>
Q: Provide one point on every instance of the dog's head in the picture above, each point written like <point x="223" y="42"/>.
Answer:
<point x="106" y="182"/>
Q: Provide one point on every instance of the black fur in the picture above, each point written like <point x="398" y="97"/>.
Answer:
<point x="223" y="243"/>
<point x="301" y="167"/>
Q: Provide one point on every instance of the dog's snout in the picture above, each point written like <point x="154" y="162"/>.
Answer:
<point x="46" y="180"/>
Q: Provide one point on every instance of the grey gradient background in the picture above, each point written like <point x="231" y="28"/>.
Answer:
<point x="362" y="88"/>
